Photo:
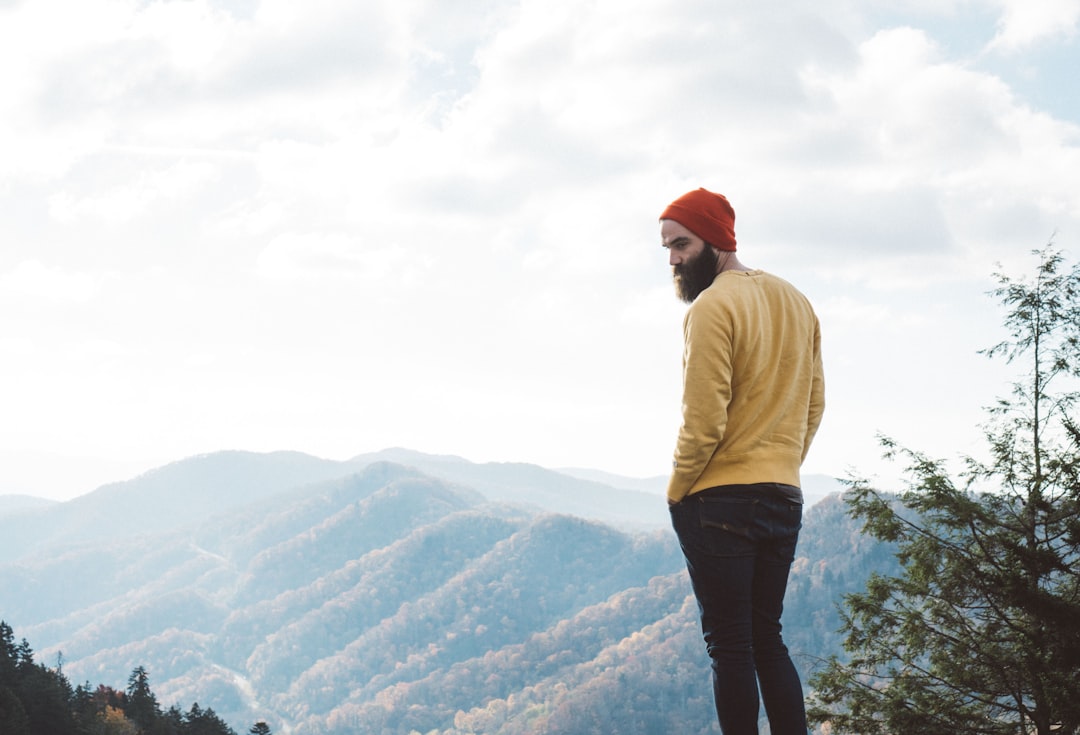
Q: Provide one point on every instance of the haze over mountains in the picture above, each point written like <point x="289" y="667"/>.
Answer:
<point x="415" y="595"/>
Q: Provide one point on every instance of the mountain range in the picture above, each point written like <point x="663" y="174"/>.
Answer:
<point x="396" y="592"/>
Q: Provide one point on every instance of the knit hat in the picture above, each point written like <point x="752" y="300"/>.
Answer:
<point x="707" y="215"/>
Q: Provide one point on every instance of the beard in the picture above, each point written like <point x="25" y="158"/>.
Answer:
<point x="694" y="276"/>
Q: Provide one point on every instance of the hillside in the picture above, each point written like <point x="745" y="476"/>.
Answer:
<point x="390" y="600"/>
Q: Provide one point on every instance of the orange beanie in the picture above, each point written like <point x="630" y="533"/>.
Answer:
<point x="707" y="215"/>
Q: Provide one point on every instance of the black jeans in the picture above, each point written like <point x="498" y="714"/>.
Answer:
<point x="739" y="542"/>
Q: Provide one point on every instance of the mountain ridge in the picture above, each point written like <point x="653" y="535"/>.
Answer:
<point x="185" y="491"/>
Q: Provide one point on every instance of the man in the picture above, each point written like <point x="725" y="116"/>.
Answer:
<point x="753" y="396"/>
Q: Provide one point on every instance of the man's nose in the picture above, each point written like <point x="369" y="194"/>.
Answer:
<point x="674" y="258"/>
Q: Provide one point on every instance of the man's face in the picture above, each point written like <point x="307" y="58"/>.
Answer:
<point x="693" y="263"/>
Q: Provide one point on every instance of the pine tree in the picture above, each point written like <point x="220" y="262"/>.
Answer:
<point x="8" y="659"/>
<point x="45" y="694"/>
<point x="980" y="631"/>
<point x="141" y="706"/>
<point x="13" y="719"/>
<point x="200" y="721"/>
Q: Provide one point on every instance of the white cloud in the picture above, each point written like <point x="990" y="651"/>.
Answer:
<point x="1026" y="22"/>
<point x="38" y="283"/>
<point x="126" y="200"/>
<point x="908" y="151"/>
<point x="337" y="257"/>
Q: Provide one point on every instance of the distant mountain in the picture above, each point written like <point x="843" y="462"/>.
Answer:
<point x="186" y="491"/>
<point x="656" y="485"/>
<point x="19" y="503"/>
<point x="818" y="487"/>
<point x="393" y="598"/>
<point x="539" y="488"/>
<point x="162" y="499"/>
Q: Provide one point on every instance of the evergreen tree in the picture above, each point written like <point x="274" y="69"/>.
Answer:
<point x="259" y="728"/>
<point x="46" y="695"/>
<point x="200" y="721"/>
<point x="980" y="630"/>
<point x="13" y="719"/>
<point x="141" y="706"/>
<point x="8" y="659"/>
<point x="85" y="706"/>
<point x="172" y="721"/>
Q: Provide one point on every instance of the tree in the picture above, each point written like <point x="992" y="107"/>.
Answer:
<point x="113" y="721"/>
<point x="45" y="694"/>
<point x="141" y="706"/>
<point x="13" y="719"/>
<point x="200" y="721"/>
<point x="259" y="728"/>
<point x="8" y="659"/>
<point x="980" y="630"/>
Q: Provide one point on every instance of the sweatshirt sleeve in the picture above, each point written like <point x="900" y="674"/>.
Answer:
<point x="707" y="365"/>
<point x="817" y="393"/>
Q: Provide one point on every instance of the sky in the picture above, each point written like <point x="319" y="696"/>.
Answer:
<point x="335" y="227"/>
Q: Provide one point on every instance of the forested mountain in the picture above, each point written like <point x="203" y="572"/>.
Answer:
<point x="385" y="599"/>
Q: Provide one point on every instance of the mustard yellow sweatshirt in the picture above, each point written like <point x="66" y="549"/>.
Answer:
<point x="753" y="385"/>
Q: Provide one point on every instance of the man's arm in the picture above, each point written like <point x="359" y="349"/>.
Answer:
<point x="706" y="395"/>
<point x="817" y="393"/>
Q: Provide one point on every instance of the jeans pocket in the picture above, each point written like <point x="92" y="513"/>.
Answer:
<point x="734" y="515"/>
<point x="719" y="527"/>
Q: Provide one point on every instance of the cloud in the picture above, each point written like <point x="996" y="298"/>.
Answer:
<point x="907" y="151"/>
<point x="292" y="47"/>
<point x="34" y="281"/>
<point x="840" y="219"/>
<point x="122" y="201"/>
<point x="316" y="257"/>
<point x="1026" y="22"/>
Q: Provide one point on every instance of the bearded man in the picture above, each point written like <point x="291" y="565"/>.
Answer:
<point x="753" y="398"/>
